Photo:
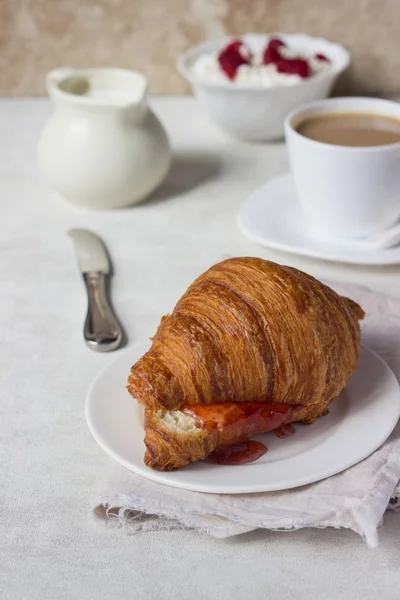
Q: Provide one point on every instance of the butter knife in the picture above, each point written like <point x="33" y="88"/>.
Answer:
<point x="101" y="331"/>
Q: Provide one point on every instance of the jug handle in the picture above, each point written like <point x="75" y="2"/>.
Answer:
<point x="55" y="76"/>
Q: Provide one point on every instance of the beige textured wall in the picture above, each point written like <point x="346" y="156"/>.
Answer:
<point x="37" y="35"/>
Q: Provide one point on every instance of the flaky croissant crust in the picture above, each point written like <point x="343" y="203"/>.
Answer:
<point x="251" y="330"/>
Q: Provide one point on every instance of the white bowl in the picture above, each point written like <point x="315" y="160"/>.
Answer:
<point x="252" y="112"/>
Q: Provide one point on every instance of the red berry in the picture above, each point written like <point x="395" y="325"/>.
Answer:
<point x="293" y="66"/>
<point x="275" y="43"/>
<point x="234" y="46"/>
<point x="322" y="57"/>
<point x="232" y="56"/>
<point x="270" y="56"/>
<point x="271" y="52"/>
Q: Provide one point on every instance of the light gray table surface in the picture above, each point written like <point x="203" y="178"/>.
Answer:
<point x="51" y="547"/>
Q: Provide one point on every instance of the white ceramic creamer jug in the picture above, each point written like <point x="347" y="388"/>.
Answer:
<point x="102" y="147"/>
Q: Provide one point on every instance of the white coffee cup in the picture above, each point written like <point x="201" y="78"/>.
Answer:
<point x="346" y="193"/>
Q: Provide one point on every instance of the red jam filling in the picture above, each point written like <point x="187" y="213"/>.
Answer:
<point x="285" y="430"/>
<point x="236" y="419"/>
<point x="264" y="416"/>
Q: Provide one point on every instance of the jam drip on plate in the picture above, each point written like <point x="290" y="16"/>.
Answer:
<point x="239" y="454"/>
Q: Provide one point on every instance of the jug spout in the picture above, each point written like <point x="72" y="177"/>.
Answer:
<point x="108" y="87"/>
<point x="56" y="76"/>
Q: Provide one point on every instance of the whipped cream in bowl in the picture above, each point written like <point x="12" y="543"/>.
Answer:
<point x="254" y="72"/>
<point x="250" y="83"/>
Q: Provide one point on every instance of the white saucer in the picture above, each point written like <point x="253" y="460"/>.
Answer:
<point x="359" y="421"/>
<point x="271" y="216"/>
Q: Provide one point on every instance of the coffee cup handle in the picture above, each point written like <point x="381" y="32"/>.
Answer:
<point x="379" y="241"/>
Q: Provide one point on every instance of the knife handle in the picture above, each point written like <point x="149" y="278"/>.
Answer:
<point x="102" y="331"/>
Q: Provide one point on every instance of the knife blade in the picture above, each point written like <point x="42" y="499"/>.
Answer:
<point x="101" y="330"/>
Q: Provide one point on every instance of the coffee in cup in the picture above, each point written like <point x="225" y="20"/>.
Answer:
<point x="352" y="129"/>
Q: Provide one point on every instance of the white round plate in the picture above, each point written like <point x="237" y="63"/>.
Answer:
<point x="271" y="216"/>
<point x="359" y="421"/>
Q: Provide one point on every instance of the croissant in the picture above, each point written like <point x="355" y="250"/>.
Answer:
<point x="250" y="345"/>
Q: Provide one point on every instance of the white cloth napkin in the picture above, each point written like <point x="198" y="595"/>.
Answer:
<point x="355" y="499"/>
